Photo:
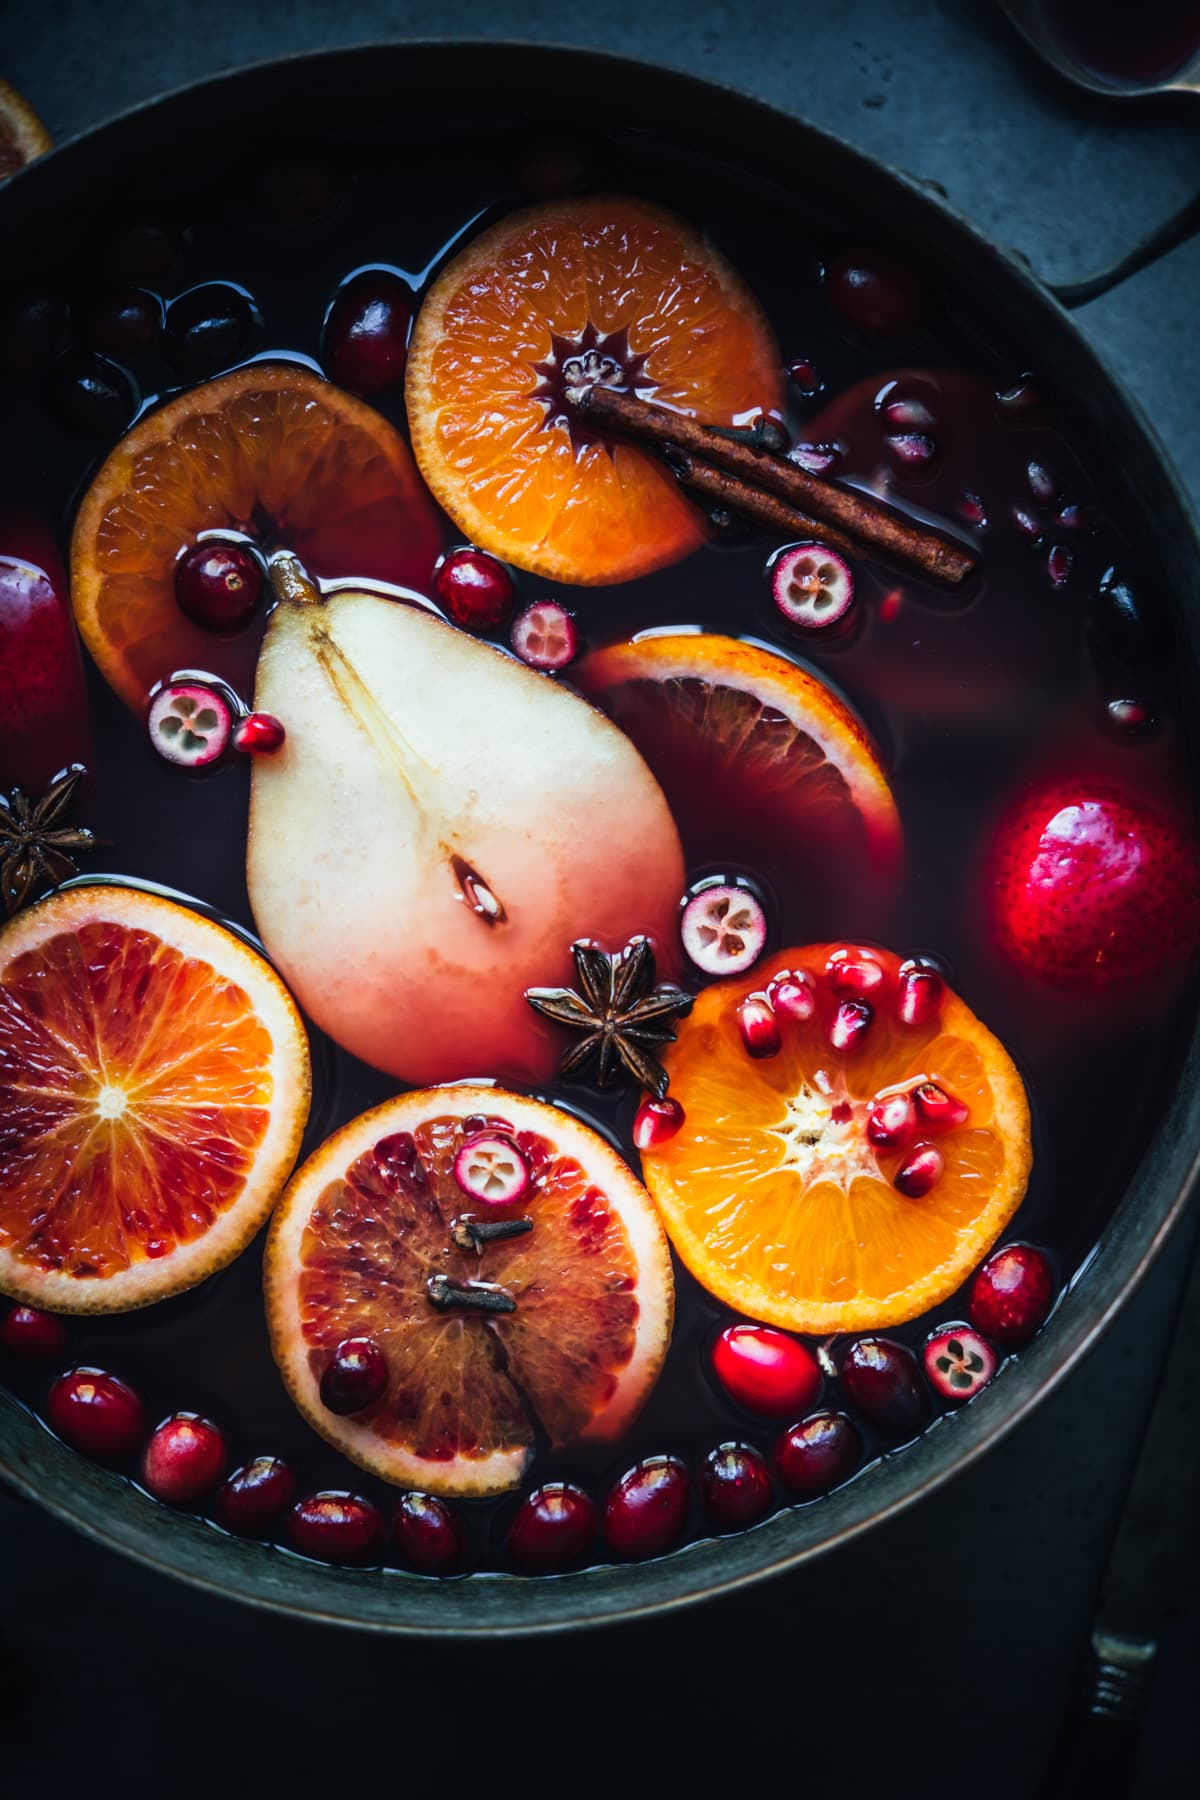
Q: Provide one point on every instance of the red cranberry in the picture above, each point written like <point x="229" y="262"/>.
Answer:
<point x="366" y="333"/>
<point x="1011" y="1294"/>
<point x="219" y="585"/>
<point x="883" y="1380"/>
<point x="817" y="1454"/>
<point x="27" y="1331"/>
<point x="96" y="1413"/>
<point x="875" y="292"/>
<point x="335" y="1527"/>
<point x="259" y="734"/>
<point x="355" y="1376"/>
<point x="554" y="1527"/>
<point x="766" y="1371"/>
<point x="736" y="1486"/>
<point x="125" y="323"/>
<point x="476" y="590"/>
<point x="207" y="327"/>
<point x="254" y="1496"/>
<point x="647" y="1509"/>
<point x="428" y="1536"/>
<point x="184" y="1460"/>
<point x="90" y="395"/>
<point x="958" y="1362"/>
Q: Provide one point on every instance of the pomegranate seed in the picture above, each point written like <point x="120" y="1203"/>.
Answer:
<point x="804" y="377"/>
<point x="647" y="1508"/>
<point x="428" y="1536"/>
<point x="724" y="928"/>
<point x="766" y="1371"/>
<point x="1132" y="718"/>
<point x="219" y="586"/>
<point x="544" y="636"/>
<point x="939" y="1110"/>
<point x="854" y="972"/>
<point x="355" y="1376"/>
<point x="259" y="734"/>
<point x="489" y="1168"/>
<point x="366" y="333"/>
<point x="921" y="1173"/>
<point x="91" y="396"/>
<point x="818" y="459"/>
<point x="759" y="1027"/>
<point x="736" y="1486"/>
<point x="27" y="1331"/>
<point x="1074" y="517"/>
<point x="191" y="723"/>
<point x="1022" y="397"/>
<point x="791" y="996"/>
<point x="96" y="1413"/>
<point x="1042" y="484"/>
<point x="892" y="1122"/>
<point x="907" y="414"/>
<point x="254" y="1496"/>
<point x="875" y="292"/>
<point x="656" y="1122"/>
<point x="334" y="1526"/>
<point x="922" y="991"/>
<point x="207" y="328"/>
<point x="476" y="590"/>
<point x="1026" y="523"/>
<point x="817" y="1454"/>
<point x="889" y="606"/>
<point x="912" y="449"/>
<point x="972" y="511"/>
<point x="125" y="323"/>
<point x="958" y="1362"/>
<point x="884" y="1382"/>
<point x="1058" y="565"/>
<point x="850" y="1025"/>
<point x="1011" y="1294"/>
<point x="184" y="1459"/>
<point x="812" y="587"/>
<point x="555" y="1526"/>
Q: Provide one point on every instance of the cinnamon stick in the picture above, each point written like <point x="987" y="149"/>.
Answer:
<point x="719" y="488"/>
<point x="842" y="516"/>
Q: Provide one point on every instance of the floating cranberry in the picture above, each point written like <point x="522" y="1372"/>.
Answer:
<point x="554" y="1528"/>
<point x="724" y="928"/>
<point x="43" y="700"/>
<point x="184" y="1459"/>
<point x="736" y="1486"/>
<point x="96" y="1413"/>
<point x="355" y="1376"/>
<point x="335" y="1527"/>
<point x="427" y="1535"/>
<point x="851" y="1023"/>
<point x="27" y="1331"/>
<point x="476" y="590"/>
<point x="259" y="734"/>
<point x="91" y="396"/>
<point x="544" y="636"/>
<point x="366" y="333"/>
<point x="1011" y="1294"/>
<point x="883" y="1380"/>
<point x="491" y="1169"/>
<point x="792" y="996"/>
<point x="1131" y="624"/>
<point x="33" y="328"/>
<point x="219" y="586"/>
<point x="647" y="1509"/>
<point x="817" y="1454"/>
<point x="758" y="1027"/>
<point x="254" y="1496"/>
<point x="191" y="723"/>
<point x="922" y="991"/>
<point x="892" y="1121"/>
<point x="958" y="1362"/>
<point x="766" y="1371"/>
<point x="920" y="1173"/>
<point x="207" y="328"/>
<point x="657" y="1122"/>
<point x="125" y="323"/>
<point x="877" y="293"/>
<point x="939" y="1111"/>
<point x="812" y="587"/>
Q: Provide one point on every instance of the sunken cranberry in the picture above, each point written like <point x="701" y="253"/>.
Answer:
<point x="219" y="585"/>
<point x="817" y="1454"/>
<point x="366" y="333"/>
<point x="428" y="1536"/>
<point x="766" y="1371"/>
<point x="259" y="734"/>
<point x="656" y="1122"/>
<point x="125" y="323"/>
<point x="883" y="1380"/>
<point x="875" y="292"/>
<point x="27" y="1331"/>
<point x="207" y="328"/>
<point x="646" y="1510"/>
<point x="335" y="1527"/>
<point x="355" y="1376"/>
<point x="476" y="589"/>
<point x="554" y="1527"/>
<point x="33" y="328"/>
<point x="184" y="1459"/>
<point x="735" y="1485"/>
<point x="1012" y="1294"/>
<point x="96" y="1413"/>
<point x="254" y="1496"/>
<point x="90" y="395"/>
<point x="958" y="1362"/>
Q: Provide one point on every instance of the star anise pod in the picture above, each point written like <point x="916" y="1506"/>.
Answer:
<point x="36" y="846"/>
<point x="623" y="1013"/>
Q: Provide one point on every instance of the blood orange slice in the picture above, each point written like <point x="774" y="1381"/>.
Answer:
<point x="154" y="1084"/>
<point x="369" y="1223"/>
<point x="604" y="288"/>
<point x="22" y="134"/>
<point x="270" y="451"/>
<point x="854" y="1178"/>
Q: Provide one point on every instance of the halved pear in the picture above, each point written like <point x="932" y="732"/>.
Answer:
<point x="438" y="828"/>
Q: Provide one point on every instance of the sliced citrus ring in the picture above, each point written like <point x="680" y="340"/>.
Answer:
<point x="22" y="134"/>
<point x="154" y="1086"/>
<point x="605" y="288"/>
<point x="827" y="1189"/>
<point x="759" y="760"/>
<point x="376" y="1216"/>
<point x="269" y="450"/>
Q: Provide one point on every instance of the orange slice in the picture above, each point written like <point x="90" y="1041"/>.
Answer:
<point x="759" y="760"/>
<point x="368" y="1220"/>
<point x="774" y="1194"/>
<point x="271" y="451"/>
<point x="637" y="298"/>
<point x="154" y="1085"/>
<point x="22" y="134"/>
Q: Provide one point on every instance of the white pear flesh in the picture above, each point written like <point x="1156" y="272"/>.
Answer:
<point x="410" y="745"/>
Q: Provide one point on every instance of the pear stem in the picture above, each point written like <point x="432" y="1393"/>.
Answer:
<point x="291" y="581"/>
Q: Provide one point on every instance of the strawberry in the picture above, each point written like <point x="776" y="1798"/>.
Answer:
<point x="43" y="706"/>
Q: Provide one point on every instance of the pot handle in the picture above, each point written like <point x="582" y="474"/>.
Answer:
<point x="1175" y="230"/>
<point x="1097" y="1745"/>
